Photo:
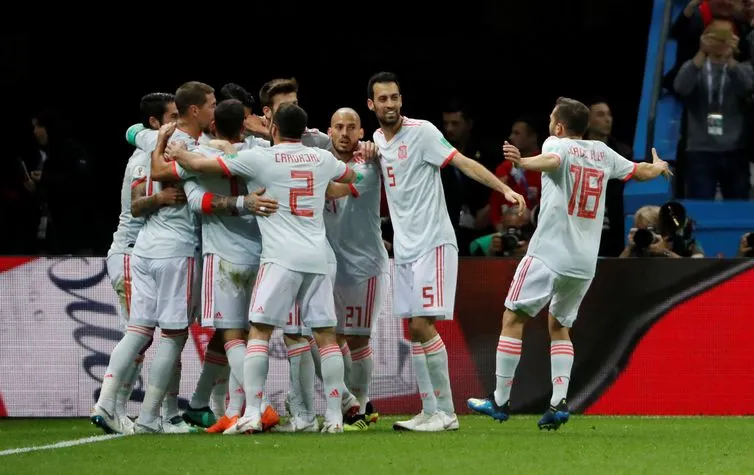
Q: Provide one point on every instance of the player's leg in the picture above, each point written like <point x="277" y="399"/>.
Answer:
<point x="568" y="294"/>
<point x="273" y="295"/>
<point x="173" y="281"/>
<point x="529" y="292"/>
<point x="137" y="338"/>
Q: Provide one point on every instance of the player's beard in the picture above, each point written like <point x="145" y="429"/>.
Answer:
<point x="384" y="120"/>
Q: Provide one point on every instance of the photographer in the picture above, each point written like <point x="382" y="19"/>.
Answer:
<point x="746" y="247"/>
<point x="677" y="231"/>
<point x="513" y="238"/>
<point x="643" y="239"/>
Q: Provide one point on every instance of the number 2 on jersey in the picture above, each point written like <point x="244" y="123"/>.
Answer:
<point x="582" y="184"/>
<point x="296" y="193"/>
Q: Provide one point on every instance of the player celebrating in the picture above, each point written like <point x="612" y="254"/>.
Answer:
<point x="353" y="229"/>
<point x="294" y="255"/>
<point x="562" y="255"/>
<point x="425" y="249"/>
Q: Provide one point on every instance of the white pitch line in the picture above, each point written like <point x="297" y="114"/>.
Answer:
<point x="61" y="445"/>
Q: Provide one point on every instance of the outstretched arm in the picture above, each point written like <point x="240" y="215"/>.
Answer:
<point x="477" y="172"/>
<point x="649" y="171"/>
<point x="202" y="201"/>
<point x="546" y="162"/>
<point x="195" y="161"/>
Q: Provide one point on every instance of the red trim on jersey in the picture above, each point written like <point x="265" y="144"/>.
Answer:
<point x="449" y="158"/>
<point x="175" y="170"/>
<point x="354" y="191"/>
<point x="127" y="281"/>
<point x="3" y="410"/>
<point x="207" y="203"/>
<point x="138" y="182"/>
<point x="343" y="175"/>
<point x="226" y="170"/>
<point x="633" y="172"/>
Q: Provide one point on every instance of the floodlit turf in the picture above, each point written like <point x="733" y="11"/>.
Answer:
<point x="585" y="445"/>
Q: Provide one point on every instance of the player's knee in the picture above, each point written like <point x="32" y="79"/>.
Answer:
<point x="325" y="337"/>
<point x="357" y="342"/>
<point x="234" y="334"/>
<point x="260" y="331"/>
<point x="513" y="324"/>
<point x="341" y="339"/>
<point x="557" y="330"/>
<point x="422" y="328"/>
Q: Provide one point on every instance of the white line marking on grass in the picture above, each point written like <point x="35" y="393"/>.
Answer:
<point x="61" y="445"/>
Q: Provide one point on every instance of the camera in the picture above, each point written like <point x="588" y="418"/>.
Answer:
<point x="509" y="239"/>
<point x="643" y="238"/>
<point x="678" y="228"/>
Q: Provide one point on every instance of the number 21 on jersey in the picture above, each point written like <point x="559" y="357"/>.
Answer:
<point x="587" y="182"/>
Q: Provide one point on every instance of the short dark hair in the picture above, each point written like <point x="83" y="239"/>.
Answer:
<point x="597" y="100"/>
<point x="154" y="105"/>
<point x="234" y="91"/>
<point x="456" y="104"/>
<point x="530" y="122"/>
<point x="192" y="93"/>
<point x="229" y="117"/>
<point x="381" y="77"/>
<point x="270" y="89"/>
<point x="572" y="114"/>
<point x="290" y="120"/>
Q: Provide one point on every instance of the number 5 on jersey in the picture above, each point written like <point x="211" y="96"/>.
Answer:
<point x="390" y="177"/>
<point x="296" y="193"/>
<point x="586" y="182"/>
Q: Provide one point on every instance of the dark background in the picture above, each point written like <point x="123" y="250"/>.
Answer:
<point x="506" y="58"/>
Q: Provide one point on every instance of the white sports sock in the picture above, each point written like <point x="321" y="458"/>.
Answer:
<point x="437" y="364"/>
<point x="316" y="357"/>
<point x="361" y="375"/>
<point x="295" y="397"/>
<point x="508" y="356"/>
<point x="213" y="365"/>
<point x="345" y="350"/>
<point x="421" y="371"/>
<point x="124" y="393"/>
<point x="121" y="362"/>
<point x="235" y="350"/>
<point x="170" y="403"/>
<point x="256" y="365"/>
<point x="561" y="361"/>
<point x="160" y="374"/>
<point x="220" y="392"/>
<point x="332" y="380"/>
<point x="306" y="377"/>
<point x="237" y="397"/>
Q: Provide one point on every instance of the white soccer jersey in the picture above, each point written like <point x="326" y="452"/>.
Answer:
<point x="125" y="235"/>
<point x="353" y="227"/>
<point x="251" y="141"/>
<point x="572" y="206"/>
<point x="173" y="231"/>
<point x="315" y="138"/>
<point x="411" y="164"/>
<point x="234" y="239"/>
<point x="297" y="177"/>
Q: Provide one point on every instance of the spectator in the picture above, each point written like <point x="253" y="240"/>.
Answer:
<point x="715" y="88"/>
<point x="601" y="129"/>
<point x="677" y="231"/>
<point x="646" y="223"/>
<point x="513" y="240"/>
<point x="746" y="246"/>
<point x="527" y="183"/>
<point x="465" y="198"/>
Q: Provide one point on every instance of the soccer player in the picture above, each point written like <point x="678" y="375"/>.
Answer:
<point x="156" y="109"/>
<point x="353" y="229"/>
<point x="253" y="125"/>
<point x="294" y="255"/>
<point x="231" y="247"/>
<point x="425" y="249"/>
<point x="562" y="256"/>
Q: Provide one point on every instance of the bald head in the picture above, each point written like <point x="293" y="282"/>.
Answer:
<point x="345" y="130"/>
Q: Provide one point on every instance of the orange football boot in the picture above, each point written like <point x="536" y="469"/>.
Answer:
<point x="270" y="418"/>
<point x="222" y="424"/>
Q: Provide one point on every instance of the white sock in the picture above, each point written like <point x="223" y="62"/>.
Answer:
<point x="256" y="365"/>
<point x="295" y="397"/>
<point x="361" y="375"/>
<point x="316" y="357"/>
<point x="508" y="356"/>
<point x="160" y="374"/>
<point x="437" y="364"/>
<point x="124" y="393"/>
<point x="220" y="392"/>
<point x="237" y="397"/>
<point x="561" y="361"/>
<point x="121" y="362"/>
<point x="421" y="371"/>
<point x="332" y="380"/>
<point x="306" y="378"/>
<point x="214" y="363"/>
<point x="345" y="350"/>
<point x="170" y="403"/>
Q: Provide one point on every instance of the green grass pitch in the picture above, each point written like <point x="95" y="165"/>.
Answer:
<point x="604" y="445"/>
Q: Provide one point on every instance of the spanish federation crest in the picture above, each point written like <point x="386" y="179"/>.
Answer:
<point x="403" y="152"/>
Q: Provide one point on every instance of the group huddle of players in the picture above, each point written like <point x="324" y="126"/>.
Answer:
<point x="247" y="223"/>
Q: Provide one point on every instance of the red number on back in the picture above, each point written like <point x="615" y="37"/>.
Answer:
<point x="295" y="193"/>
<point x="391" y="176"/>
<point x="586" y="182"/>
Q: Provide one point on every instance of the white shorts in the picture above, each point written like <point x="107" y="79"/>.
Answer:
<point x="226" y="293"/>
<point x="119" y="272"/>
<point x="534" y="284"/>
<point x="164" y="292"/>
<point x="277" y="289"/>
<point x="357" y="305"/>
<point x="293" y="323"/>
<point x="426" y="287"/>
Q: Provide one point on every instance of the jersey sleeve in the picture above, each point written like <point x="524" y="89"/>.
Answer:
<point x="370" y="180"/>
<point x="147" y="140"/>
<point x="555" y="146"/>
<point x="244" y="164"/>
<point x="194" y="193"/>
<point x="435" y="147"/>
<point x="621" y="167"/>
<point x="316" y="138"/>
<point x="336" y="169"/>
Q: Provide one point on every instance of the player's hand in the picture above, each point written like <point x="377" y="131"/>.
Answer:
<point x="260" y="205"/>
<point x="174" y="149"/>
<point x="367" y="150"/>
<point x="30" y="185"/>
<point x="171" y="196"/>
<point x="166" y="131"/>
<point x="257" y="125"/>
<point x="388" y="245"/>
<point x="512" y="153"/>
<point x="36" y="175"/>
<point x="631" y="236"/>
<point x="662" y="164"/>
<point x="514" y="197"/>
<point x="223" y="145"/>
